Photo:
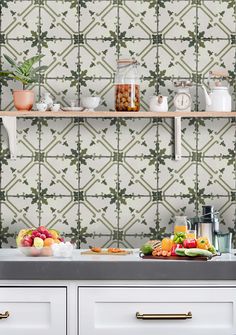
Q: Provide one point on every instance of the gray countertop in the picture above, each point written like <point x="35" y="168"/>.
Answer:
<point x="14" y="265"/>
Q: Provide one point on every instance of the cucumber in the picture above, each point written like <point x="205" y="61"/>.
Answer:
<point x="194" y="252"/>
<point x="180" y="251"/>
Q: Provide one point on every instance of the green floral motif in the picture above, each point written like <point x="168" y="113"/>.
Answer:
<point x="4" y="235"/>
<point x="78" y="235"/>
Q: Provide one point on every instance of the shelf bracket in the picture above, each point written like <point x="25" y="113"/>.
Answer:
<point x="9" y="123"/>
<point x="178" y="138"/>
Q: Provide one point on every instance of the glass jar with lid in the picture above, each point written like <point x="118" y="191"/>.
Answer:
<point x="127" y="86"/>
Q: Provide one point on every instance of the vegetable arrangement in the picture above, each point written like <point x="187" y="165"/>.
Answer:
<point x="180" y="245"/>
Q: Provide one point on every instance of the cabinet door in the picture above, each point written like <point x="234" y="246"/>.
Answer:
<point x="106" y="311"/>
<point x="33" y="311"/>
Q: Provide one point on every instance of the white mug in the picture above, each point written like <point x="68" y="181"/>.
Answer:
<point x="55" y="107"/>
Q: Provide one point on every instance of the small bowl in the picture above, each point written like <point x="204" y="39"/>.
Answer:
<point x="41" y="107"/>
<point x="55" y="107"/>
<point x="90" y="102"/>
<point x="36" y="252"/>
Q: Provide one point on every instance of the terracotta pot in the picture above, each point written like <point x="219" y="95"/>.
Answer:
<point x="23" y="100"/>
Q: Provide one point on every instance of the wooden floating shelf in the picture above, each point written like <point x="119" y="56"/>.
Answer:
<point x="105" y="114"/>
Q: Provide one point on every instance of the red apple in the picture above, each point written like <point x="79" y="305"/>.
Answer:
<point x="42" y="236"/>
<point x="27" y="241"/>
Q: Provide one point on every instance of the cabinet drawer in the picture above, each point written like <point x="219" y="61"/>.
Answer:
<point x="34" y="311"/>
<point x="106" y="311"/>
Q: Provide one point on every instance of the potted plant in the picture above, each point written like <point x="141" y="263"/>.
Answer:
<point x="26" y="74"/>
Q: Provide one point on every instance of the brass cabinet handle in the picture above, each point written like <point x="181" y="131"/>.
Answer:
<point x="4" y="315"/>
<point x="164" y="316"/>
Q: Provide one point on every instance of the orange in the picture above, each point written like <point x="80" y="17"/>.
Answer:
<point x="166" y="244"/>
<point x="48" y="242"/>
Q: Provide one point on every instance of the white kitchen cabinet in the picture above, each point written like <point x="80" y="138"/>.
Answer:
<point x="33" y="310"/>
<point x="112" y="310"/>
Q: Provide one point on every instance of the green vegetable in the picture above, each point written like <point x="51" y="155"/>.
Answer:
<point x="179" y="238"/>
<point x="212" y="249"/>
<point x="147" y="249"/>
<point x="198" y="252"/>
<point x="180" y="252"/>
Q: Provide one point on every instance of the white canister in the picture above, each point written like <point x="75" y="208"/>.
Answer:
<point x="159" y="103"/>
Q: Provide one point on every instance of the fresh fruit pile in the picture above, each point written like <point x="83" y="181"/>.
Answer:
<point x="38" y="238"/>
<point x="179" y="245"/>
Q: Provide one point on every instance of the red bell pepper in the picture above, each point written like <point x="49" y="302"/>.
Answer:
<point x="190" y="243"/>
<point x="175" y="246"/>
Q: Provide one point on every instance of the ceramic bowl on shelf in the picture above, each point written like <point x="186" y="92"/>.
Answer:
<point x="36" y="252"/>
<point x="90" y="103"/>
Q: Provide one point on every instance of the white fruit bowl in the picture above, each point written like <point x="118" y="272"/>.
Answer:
<point x="35" y="252"/>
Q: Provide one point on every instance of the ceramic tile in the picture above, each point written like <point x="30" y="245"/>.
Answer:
<point x="217" y="19"/>
<point x="138" y="176"/>
<point x="144" y="51"/>
<point x="215" y="178"/>
<point x="139" y="222"/>
<point x="20" y="176"/>
<point x="176" y="19"/>
<point x="102" y="19"/>
<point x="63" y="135"/>
<point x="98" y="176"/>
<point x="177" y="177"/>
<point x="19" y="213"/>
<point x="216" y="138"/>
<point x="20" y="19"/>
<point x="60" y="213"/>
<point x="137" y="19"/>
<point x="98" y="58"/>
<point x="60" y="58"/>
<point x="59" y="176"/>
<point x="58" y="20"/>
<point x="98" y="222"/>
<point x="177" y="58"/>
<point x="98" y="137"/>
<point x="137" y="137"/>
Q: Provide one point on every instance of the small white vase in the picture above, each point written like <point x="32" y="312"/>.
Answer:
<point x="47" y="100"/>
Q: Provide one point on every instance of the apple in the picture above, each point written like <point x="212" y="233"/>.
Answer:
<point x="27" y="241"/>
<point x="42" y="236"/>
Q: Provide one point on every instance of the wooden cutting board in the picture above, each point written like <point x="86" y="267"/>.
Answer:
<point x="178" y="258"/>
<point x="105" y="252"/>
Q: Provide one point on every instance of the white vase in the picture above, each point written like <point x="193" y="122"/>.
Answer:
<point x="47" y="100"/>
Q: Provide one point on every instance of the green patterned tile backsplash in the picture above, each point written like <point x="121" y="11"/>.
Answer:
<point x="110" y="182"/>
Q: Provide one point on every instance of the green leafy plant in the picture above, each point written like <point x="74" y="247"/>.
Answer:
<point x="24" y="72"/>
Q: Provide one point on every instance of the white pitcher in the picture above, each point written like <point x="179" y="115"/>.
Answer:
<point x="159" y="103"/>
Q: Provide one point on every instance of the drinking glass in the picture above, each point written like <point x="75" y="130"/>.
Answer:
<point x="224" y="242"/>
<point x="191" y="234"/>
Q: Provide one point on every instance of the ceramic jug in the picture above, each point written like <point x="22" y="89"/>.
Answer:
<point x="219" y="100"/>
<point x="47" y="100"/>
<point x="159" y="103"/>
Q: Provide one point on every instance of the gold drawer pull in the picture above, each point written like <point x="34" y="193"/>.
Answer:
<point x="4" y="315"/>
<point x="164" y="316"/>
